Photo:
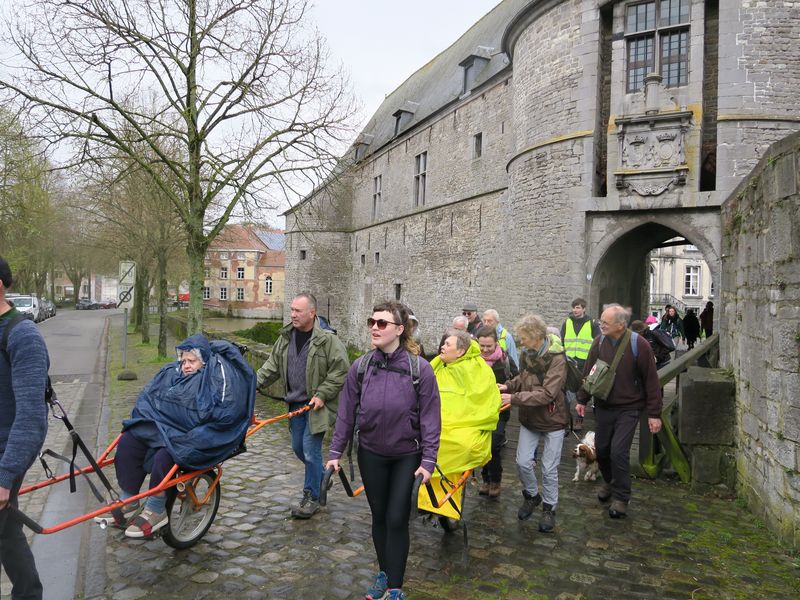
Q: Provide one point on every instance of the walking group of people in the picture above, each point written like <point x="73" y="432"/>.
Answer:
<point x="405" y="413"/>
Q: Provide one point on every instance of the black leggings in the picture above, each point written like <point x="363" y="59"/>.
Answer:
<point x="388" y="481"/>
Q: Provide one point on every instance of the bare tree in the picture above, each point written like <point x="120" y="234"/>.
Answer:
<point x="240" y="86"/>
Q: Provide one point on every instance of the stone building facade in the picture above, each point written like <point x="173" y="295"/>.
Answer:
<point x="244" y="272"/>
<point x="760" y="338"/>
<point x="545" y="154"/>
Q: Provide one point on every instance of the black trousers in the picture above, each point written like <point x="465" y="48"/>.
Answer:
<point x="387" y="482"/>
<point x="16" y="555"/>
<point x="614" y="431"/>
<point x="492" y="471"/>
<point x="130" y="460"/>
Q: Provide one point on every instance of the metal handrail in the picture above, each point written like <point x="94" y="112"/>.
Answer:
<point x="650" y="461"/>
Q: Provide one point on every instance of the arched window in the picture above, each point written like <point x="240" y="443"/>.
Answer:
<point x="268" y="285"/>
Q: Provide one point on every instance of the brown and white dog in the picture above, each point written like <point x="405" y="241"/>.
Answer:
<point x="586" y="458"/>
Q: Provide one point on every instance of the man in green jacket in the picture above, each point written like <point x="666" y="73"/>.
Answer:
<point x="312" y="363"/>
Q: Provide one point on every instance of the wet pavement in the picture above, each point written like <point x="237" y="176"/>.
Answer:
<point x="674" y="544"/>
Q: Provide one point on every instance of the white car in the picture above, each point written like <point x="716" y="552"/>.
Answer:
<point x="29" y="306"/>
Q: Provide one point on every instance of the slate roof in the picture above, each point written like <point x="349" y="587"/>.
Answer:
<point x="274" y="240"/>
<point x="440" y="82"/>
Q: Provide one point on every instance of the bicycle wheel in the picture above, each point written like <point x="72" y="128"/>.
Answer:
<point x="189" y="523"/>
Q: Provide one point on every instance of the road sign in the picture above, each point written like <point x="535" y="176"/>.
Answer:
<point x="125" y="295"/>
<point x="127" y="273"/>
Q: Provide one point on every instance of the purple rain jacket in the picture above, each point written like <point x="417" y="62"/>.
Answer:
<point x="388" y="421"/>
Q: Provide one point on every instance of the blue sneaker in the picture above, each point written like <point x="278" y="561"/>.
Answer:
<point x="395" y="594"/>
<point x="377" y="589"/>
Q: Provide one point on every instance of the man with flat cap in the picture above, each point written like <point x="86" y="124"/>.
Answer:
<point x="470" y="311"/>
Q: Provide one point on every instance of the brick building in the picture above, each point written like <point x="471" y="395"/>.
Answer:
<point x="545" y="154"/>
<point x="244" y="272"/>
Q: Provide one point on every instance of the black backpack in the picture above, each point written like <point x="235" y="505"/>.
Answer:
<point x="48" y="390"/>
<point x="662" y="345"/>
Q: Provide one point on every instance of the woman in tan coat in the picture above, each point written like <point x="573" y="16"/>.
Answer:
<point x="538" y="390"/>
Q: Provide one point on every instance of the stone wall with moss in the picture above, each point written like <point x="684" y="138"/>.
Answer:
<point x="760" y="327"/>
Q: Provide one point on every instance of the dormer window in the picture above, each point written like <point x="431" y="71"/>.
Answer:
<point x="403" y="115"/>
<point x="473" y="65"/>
<point x="361" y="145"/>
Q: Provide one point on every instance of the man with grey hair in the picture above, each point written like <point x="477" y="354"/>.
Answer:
<point x="635" y="389"/>
<point x="461" y="323"/>
<point x="491" y="318"/>
<point x="474" y="323"/>
<point x="312" y="363"/>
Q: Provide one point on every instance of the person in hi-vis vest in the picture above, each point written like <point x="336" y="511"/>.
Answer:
<point x="577" y="334"/>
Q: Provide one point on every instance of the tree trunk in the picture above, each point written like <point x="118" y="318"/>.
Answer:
<point x="196" y="252"/>
<point x="138" y="292"/>
<point x="161" y="266"/>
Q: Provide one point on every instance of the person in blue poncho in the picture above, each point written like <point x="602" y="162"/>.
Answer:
<point x="194" y="413"/>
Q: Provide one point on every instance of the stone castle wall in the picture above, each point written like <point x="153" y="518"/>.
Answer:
<point x="760" y="333"/>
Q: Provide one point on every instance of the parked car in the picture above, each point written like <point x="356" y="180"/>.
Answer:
<point x="48" y="308"/>
<point x="29" y="306"/>
<point x="86" y="304"/>
<point x="107" y="304"/>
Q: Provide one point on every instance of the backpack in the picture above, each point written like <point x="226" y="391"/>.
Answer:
<point x="662" y="345"/>
<point x="48" y="390"/>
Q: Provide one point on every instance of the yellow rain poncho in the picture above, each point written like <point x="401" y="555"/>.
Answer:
<point x="470" y="404"/>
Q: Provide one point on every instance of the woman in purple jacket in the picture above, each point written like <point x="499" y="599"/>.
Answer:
<point x="398" y="428"/>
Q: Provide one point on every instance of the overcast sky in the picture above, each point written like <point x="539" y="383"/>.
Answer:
<point x="381" y="42"/>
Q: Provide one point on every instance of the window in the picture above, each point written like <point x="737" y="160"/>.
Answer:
<point x="377" y="258"/>
<point x="377" y="184"/>
<point x="691" y="281"/>
<point x="477" y="145"/>
<point x="206" y="293"/>
<point x="665" y="22"/>
<point x="420" y="175"/>
<point x="223" y="293"/>
<point x="398" y="289"/>
<point x="711" y="290"/>
<point x="302" y="254"/>
<point x="363" y="260"/>
<point x="239" y="272"/>
<point x="268" y="285"/>
<point x="223" y="272"/>
<point x="240" y="256"/>
<point x="207" y="272"/>
<point x="240" y="294"/>
<point x="223" y="256"/>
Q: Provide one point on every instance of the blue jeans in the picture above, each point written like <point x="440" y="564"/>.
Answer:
<point x="307" y="447"/>
<point x="526" y="448"/>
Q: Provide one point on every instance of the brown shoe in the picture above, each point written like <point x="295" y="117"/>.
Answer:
<point x="485" y="488"/>
<point x="618" y="509"/>
<point x="494" y="490"/>
<point x="604" y="493"/>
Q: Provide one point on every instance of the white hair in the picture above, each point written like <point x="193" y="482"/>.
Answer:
<point x="464" y="321"/>
<point x="196" y="352"/>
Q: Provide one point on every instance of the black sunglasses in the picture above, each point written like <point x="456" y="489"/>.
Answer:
<point x="381" y="323"/>
<point x="467" y="313"/>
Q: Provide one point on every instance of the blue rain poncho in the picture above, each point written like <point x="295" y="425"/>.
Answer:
<point x="201" y="418"/>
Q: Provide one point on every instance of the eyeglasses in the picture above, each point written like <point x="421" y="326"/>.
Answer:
<point x="381" y="323"/>
<point x="467" y="313"/>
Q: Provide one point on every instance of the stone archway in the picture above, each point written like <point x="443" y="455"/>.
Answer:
<point x="619" y="245"/>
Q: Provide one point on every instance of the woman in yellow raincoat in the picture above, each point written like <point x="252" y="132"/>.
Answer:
<point x="470" y="404"/>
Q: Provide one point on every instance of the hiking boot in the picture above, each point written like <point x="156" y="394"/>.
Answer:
<point x="494" y="489"/>
<point x="484" y="489"/>
<point x="618" y="509"/>
<point x="120" y="517"/>
<point x="307" y="508"/>
<point x="548" y="521"/>
<point x="378" y="588"/>
<point x="395" y="594"/>
<point x="528" y="504"/>
<point x="577" y="425"/>
<point x="604" y="493"/>
<point x="146" y="524"/>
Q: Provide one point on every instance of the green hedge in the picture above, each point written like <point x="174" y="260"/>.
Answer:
<point x="265" y="332"/>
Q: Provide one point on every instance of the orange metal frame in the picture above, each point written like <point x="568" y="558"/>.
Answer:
<point x="171" y="479"/>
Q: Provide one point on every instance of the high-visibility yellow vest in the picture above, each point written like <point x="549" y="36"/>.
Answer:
<point x="502" y="341"/>
<point x="577" y="345"/>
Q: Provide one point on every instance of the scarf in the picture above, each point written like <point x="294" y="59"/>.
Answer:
<point x="493" y="357"/>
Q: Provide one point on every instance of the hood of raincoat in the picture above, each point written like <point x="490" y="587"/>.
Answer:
<point x="201" y="418"/>
<point x="199" y="341"/>
<point x="470" y="404"/>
